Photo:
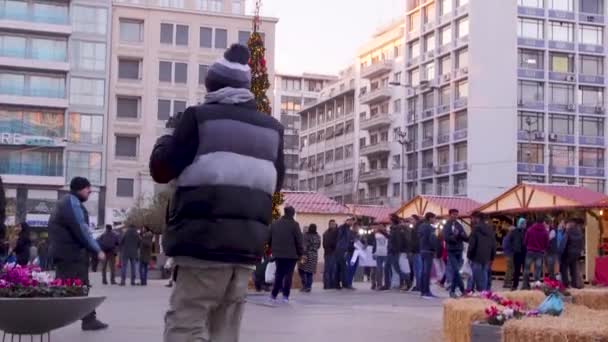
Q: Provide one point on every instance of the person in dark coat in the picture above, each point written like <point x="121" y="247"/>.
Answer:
<point x="395" y="247"/>
<point x="129" y="252"/>
<point x="71" y="241"/>
<point x="414" y="257"/>
<point x="428" y="250"/>
<point x="343" y="243"/>
<point x="537" y="243"/>
<point x="572" y="251"/>
<point x="145" y="255"/>
<point x="557" y="236"/>
<point x="24" y="244"/>
<point x="109" y="242"/>
<point x="287" y="248"/>
<point x="330" y="240"/>
<point x="455" y="237"/>
<point x="518" y="250"/>
<point x="308" y="266"/>
<point x="227" y="159"/>
<point x="481" y="251"/>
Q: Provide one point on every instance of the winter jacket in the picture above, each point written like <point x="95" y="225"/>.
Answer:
<point x="130" y="242"/>
<point x="108" y="241"/>
<point x="330" y="239"/>
<point x="574" y="242"/>
<point x="414" y="239"/>
<point x="69" y="233"/>
<point x="454" y="237"/>
<point x="23" y="250"/>
<point x="345" y="239"/>
<point x="482" y="244"/>
<point x="395" y="240"/>
<point x="286" y="239"/>
<point x="381" y="244"/>
<point x="227" y="160"/>
<point x="556" y="241"/>
<point x="146" y="246"/>
<point x="428" y="239"/>
<point x="537" y="238"/>
<point x="516" y="240"/>
<point x="312" y="243"/>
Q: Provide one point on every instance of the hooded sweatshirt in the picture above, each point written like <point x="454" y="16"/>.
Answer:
<point x="574" y="242"/>
<point x="537" y="238"/>
<point x="482" y="244"/>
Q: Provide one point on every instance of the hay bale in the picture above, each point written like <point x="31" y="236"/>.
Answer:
<point x="577" y="324"/>
<point x="592" y="298"/>
<point x="459" y="315"/>
<point x="531" y="298"/>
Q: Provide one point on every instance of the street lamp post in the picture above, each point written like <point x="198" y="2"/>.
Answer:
<point x="403" y="140"/>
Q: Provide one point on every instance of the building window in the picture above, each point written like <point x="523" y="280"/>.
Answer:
<point x="531" y="59"/>
<point x="562" y="5"/>
<point x="170" y="33"/>
<point x="414" y="20"/>
<point x="561" y="94"/>
<point x="462" y="89"/>
<point x="87" y="91"/>
<point x="445" y="35"/>
<point x="348" y="176"/>
<point x="591" y="157"/>
<point x="461" y="121"/>
<point x="531" y="92"/>
<point x="238" y="7"/>
<point x="592" y="65"/>
<point x="443" y="126"/>
<point x="131" y="31"/>
<point x="444" y="96"/>
<point x="429" y="71"/>
<point x="597" y="185"/>
<point x="462" y="58"/>
<point x="89" y="19"/>
<point x="562" y="156"/>
<point x="591" y="96"/>
<point x="206" y="37"/>
<point x="84" y="164"/>
<point x="460" y="153"/>
<point x="530" y="3"/>
<point x="202" y="73"/>
<point x="460" y="185"/>
<point x="211" y="5"/>
<point x="32" y="122"/>
<point x="445" y="65"/>
<point x="172" y="3"/>
<point x="86" y="128"/>
<point x="537" y="121"/>
<point x="397" y="77"/>
<point x="221" y="38"/>
<point x="124" y="187"/>
<point x="126" y="146"/>
<point x="414" y="49"/>
<point x="445" y="7"/>
<point x="530" y="28"/>
<point x="561" y="62"/>
<point x="88" y="56"/>
<point x="127" y="107"/>
<point x="561" y="124"/>
<point x="244" y="37"/>
<point x="561" y="31"/>
<point x="339" y="153"/>
<point x="414" y="76"/>
<point x="396" y="190"/>
<point x="397" y="106"/>
<point x="428" y="100"/>
<point x="129" y="69"/>
<point x="592" y="35"/>
<point x="173" y="71"/>
<point x="168" y="108"/>
<point x="592" y="7"/>
<point x="462" y="26"/>
<point x="348" y="151"/>
<point x="429" y="42"/>
<point x="530" y="153"/>
<point x="429" y="13"/>
<point x="460" y="3"/>
<point x="592" y="126"/>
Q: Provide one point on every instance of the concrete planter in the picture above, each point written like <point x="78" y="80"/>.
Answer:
<point x="40" y="316"/>
<point x="483" y="332"/>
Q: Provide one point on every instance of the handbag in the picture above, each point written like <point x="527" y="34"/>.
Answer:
<point x="404" y="263"/>
<point x="271" y="270"/>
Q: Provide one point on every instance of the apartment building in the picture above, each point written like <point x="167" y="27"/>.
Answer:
<point x="502" y="92"/>
<point x="380" y="113"/>
<point x="53" y="99"/>
<point x="328" y="136"/>
<point x="293" y="92"/>
<point x="161" y="51"/>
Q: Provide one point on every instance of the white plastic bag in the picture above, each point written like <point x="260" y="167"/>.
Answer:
<point x="271" y="270"/>
<point x="439" y="267"/>
<point x="404" y="263"/>
<point x="466" y="271"/>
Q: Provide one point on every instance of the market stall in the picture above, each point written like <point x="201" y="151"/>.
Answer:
<point x="440" y="205"/>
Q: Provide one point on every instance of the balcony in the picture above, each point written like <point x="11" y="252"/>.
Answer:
<point x="442" y="169"/>
<point x="443" y="138"/>
<point x="563" y="170"/>
<point x="593" y="141"/>
<point x="460" y="103"/>
<point x="427" y="172"/>
<point x="532" y="104"/>
<point x="460" y="134"/>
<point x="591" y="79"/>
<point x="531" y="73"/>
<point x="560" y="45"/>
<point x="532" y="136"/>
<point x="412" y="175"/>
<point x="21" y="17"/>
<point x="379" y="175"/>
<point x="593" y="48"/>
<point x="377" y="69"/>
<point x="594" y="18"/>
<point x="531" y="42"/>
<point x="590" y="109"/>
<point x="34" y="96"/>
<point x="530" y="168"/>
<point x="376" y="95"/>
<point x="32" y="173"/>
<point x="562" y="76"/>
<point x="531" y="11"/>
<point x="561" y="15"/>
<point x="427" y="142"/>
<point x="378" y="148"/>
<point x="376" y="121"/>
<point x="591" y="171"/>
<point x="459" y="166"/>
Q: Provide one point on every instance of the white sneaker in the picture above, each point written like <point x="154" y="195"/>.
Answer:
<point x="272" y="302"/>
<point x="285" y="300"/>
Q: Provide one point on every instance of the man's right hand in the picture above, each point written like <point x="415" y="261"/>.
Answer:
<point x="101" y="256"/>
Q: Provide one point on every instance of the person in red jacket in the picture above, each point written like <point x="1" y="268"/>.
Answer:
<point x="536" y="241"/>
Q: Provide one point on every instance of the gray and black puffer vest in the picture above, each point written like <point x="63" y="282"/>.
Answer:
<point x="221" y="210"/>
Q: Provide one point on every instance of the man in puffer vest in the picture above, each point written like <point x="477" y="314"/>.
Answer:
<point x="227" y="160"/>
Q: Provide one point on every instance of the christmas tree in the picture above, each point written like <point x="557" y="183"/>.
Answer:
<point x="260" y="84"/>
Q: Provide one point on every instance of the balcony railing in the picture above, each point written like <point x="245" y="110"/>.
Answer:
<point x="376" y="95"/>
<point x="595" y="141"/>
<point x="380" y="147"/>
<point x="31" y="169"/>
<point x="376" y="121"/>
<point x="377" y="69"/>
<point x="530" y="168"/>
<point x="375" y="175"/>
<point x="7" y="89"/>
<point x="56" y="15"/>
<point x="591" y="171"/>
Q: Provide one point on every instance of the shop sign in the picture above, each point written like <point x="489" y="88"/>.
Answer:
<point x="20" y="139"/>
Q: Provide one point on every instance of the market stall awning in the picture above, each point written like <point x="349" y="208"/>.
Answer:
<point x="440" y="205"/>
<point x="540" y="197"/>
<point x="313" y="203"/>
<point x="380" y="214"/>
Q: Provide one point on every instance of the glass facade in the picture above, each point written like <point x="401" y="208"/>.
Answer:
<point x="44" y="162"/>
<point x="35" y="11"/>
<point x="31" y="122"/>
<point x="84" y="164"/>
<point x="36" y="85"/>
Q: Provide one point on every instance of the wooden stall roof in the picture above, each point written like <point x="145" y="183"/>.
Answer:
<point x="540" y="197"/>
<point x="380" y="214"/>
<point x="440" y="205"/>
<point x="313" y="203"/>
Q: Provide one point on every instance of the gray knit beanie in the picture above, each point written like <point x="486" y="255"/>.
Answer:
<point x="232" y="70"/>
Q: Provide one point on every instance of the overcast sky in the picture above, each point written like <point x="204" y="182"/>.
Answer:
<point x="323" y="36"/>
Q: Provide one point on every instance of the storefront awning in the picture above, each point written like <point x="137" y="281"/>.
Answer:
<point x="439" y="205"/>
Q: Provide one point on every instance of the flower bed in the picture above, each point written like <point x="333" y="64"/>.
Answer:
<point x="30" y="282"/>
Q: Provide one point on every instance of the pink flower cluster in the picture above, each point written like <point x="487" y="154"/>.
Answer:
<point x="512" y="309"/>
<point x="32" y="276"/>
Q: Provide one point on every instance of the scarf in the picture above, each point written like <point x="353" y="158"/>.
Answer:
<point x="229" y="96"/>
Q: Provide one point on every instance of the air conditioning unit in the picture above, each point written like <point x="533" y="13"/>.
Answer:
<point x="570" y="78"/>
<point x="590" y="18"/>
<point x="600" y="109"/>
<point x="447" y="77"/>
<point x="571" y="107"/>
<point x="553" y="137"/>
<point x="464" y="70"/>
<point x="539" y="135"/>
<point x="437" y="169"/>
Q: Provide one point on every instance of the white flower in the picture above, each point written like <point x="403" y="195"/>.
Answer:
<point x="537" y="284"/>
<point x="42" y="277"/>
<point x="508" y="313"/>
<point x="500" y="317"/>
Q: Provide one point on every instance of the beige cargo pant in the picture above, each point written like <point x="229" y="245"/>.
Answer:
<point x="207" y="304"/>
